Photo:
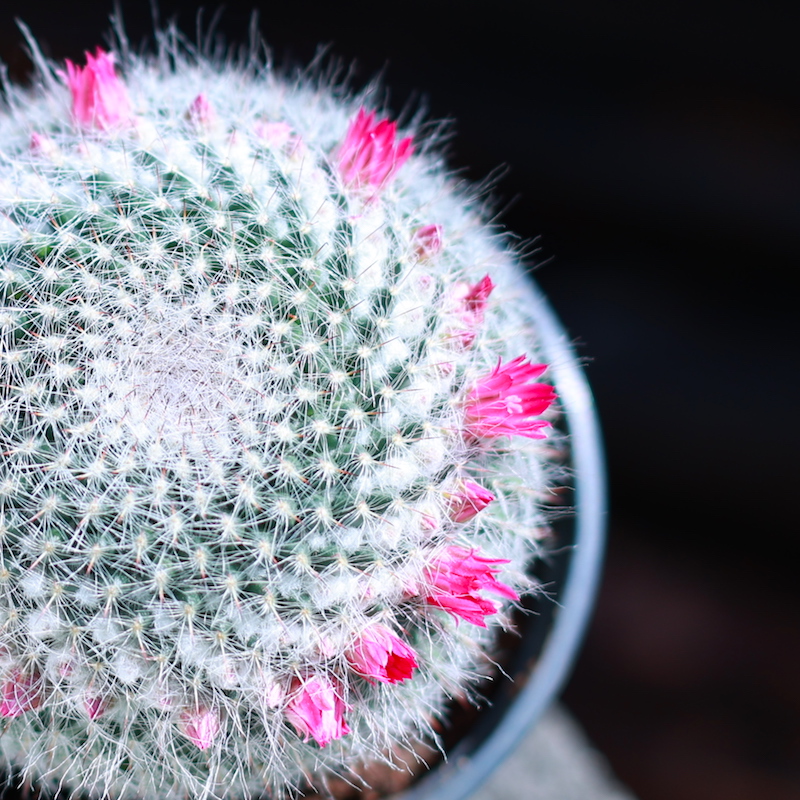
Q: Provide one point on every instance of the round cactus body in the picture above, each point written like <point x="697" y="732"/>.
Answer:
<point x="273" y="432"/>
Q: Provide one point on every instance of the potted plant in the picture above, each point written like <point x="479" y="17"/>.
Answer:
<point x="280" y="438"/>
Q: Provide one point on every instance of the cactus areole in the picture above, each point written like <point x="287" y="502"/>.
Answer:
<point x="275" y="437"/>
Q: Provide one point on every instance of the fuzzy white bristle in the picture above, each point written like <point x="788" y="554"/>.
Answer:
<point x="239" y="349"/>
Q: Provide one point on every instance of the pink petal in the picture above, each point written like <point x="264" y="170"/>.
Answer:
<point x="467" y="502"/>
<point x="316" y="710"/>
<point x="471" y="608"/>
<point x="458" y="576"/>
<point x="99" y="97"/>
<point x="95" y="706"/>
<point x="467" y="303"/>
<point x="428" y="241"/>
<point x="369" y="154"/>
<point x="504" y="402"/>
<point x="201" y="111"/>
<point x="381" y="655"/>
<point x="20" y="693"/>
<point x="201" y="727"/>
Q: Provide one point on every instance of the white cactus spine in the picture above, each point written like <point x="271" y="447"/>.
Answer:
<point x="245" y="429"/>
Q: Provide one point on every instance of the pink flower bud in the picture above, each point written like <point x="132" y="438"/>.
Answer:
<point x="201" y="727"/>
<point x="200" y="111"/>
<point x="429" y="523"/>
<point x="66" y="668"/>
<point x="458" y="577"/>
<point x="476" y="297"/>
<point x="95" y="706"/>
<point x="99" y="97"/>
<point x="503" y="402"/>
<point x="369" y="155"/>
<point x="380" y="655"/>
<point x="467" y="502"/>
<point x="20" y="693"/>
<point x="316" y="710"/>
<point x="428" y="241"/>
<point x="468" y="306"/>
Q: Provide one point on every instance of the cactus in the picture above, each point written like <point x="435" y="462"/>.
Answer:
<point x="275" y="446"/>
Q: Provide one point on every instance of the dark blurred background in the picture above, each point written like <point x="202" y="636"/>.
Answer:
<point x="651" y="155"/>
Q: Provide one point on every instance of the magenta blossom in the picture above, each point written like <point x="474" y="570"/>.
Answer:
<point x="201" y="112"/>
<point x="201" y="727"/>
<point x="99" y="97"/>
<point x="317" y="710"/>
<point x="95" y="706"/>
<point x="428" y="241"/>
<point x="468" y="501"/>
<point x="476" y="298"/>
<point x="469" y="305"/>
<point x="19" y="693"/>
<point x="380" y="655"/>
<point x="504" y="402"/>
<point x="369" y="155"/>
<point x="459" y="576"/>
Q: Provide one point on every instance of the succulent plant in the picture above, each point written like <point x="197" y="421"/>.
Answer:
<point x="273" y="430"/>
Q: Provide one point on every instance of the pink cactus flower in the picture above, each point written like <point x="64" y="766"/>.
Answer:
<point x="428" y="241"/>
<point x="201" y="112"/>
<point x="459" y="576"/>
<point x="470" y="302"/>
<point x="20" y="693"/>
<point x="316" y="710"/>
<point x="429" y="523"/>
<point x="369" y="155"/>
<point x="468" y="501"/>
<point x="201" y="727"/>
<point x="504" y="402"/>
<point x="99" y="97"/>
<point x="476" y="298"/>
<point x="95" y="706"/>
<point x="380" y="655"/>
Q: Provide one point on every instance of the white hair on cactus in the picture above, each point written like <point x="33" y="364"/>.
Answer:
<point x="251" y="381"/>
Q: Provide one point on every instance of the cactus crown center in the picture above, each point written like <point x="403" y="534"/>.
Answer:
<point x="175" y="387"/>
